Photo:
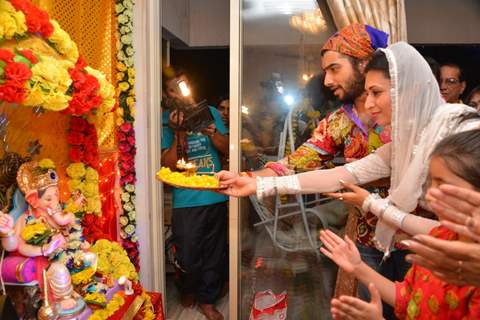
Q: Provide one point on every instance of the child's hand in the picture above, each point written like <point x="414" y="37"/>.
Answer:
<point x="353" y="308"/>
<point x="343" y="252"/>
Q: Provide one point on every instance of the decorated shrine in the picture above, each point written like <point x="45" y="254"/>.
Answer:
<point x="67" y="180"/>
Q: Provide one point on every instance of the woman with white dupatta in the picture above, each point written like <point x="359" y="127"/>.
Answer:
<point x="419" y="118"/>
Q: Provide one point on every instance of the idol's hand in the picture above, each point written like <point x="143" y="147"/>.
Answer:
<point x="240" y="187"/>
<point x="356" y="197"/>
<point x="346" y="307"/>
<point x="343" y="252"/>
<point x="58" y="241"/>
<point x="6" y="223"/>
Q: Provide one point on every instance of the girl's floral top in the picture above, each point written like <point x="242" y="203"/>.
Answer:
<point x="422" y="295"/>
<point x="340" y="133"/>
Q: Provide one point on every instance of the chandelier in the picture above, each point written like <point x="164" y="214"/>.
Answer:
<point x="309" y="22"/>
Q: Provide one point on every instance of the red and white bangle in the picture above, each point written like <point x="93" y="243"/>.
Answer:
<point x="250" y="174"/>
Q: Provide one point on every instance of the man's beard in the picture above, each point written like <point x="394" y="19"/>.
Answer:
<point x="354" y="86"/>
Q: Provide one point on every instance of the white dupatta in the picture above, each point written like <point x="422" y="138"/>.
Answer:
<point x="420" y="119"/>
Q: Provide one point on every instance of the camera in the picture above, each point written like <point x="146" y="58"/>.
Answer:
<point x="196" y="116"/>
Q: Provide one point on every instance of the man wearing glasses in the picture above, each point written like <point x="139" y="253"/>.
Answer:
<point x="452" y="82"/>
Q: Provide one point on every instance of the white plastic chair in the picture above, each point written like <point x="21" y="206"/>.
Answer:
<point x="300" y="207"/>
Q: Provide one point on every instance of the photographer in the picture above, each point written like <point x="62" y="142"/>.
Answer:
<point x="199" y="218"/>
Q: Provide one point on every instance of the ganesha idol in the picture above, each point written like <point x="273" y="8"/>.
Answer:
<point x="51" y="238"/>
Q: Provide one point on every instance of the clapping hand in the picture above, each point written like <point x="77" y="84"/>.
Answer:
<point x="351" y="308"/>
<point x="343" y="252"/>
<point x="457" y="208"/>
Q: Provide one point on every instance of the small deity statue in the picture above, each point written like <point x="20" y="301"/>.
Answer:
<point x="44" y="232"/>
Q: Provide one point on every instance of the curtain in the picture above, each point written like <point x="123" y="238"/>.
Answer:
<point x="386" y="15"/>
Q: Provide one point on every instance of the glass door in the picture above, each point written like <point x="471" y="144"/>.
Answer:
<point x="277" y="107"/>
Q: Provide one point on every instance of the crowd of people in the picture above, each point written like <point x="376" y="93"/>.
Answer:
<point x="420" y="250"/>
<point x="410" y="145"/>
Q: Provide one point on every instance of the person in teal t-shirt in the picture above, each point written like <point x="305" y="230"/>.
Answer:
<point x="199" y="218"/>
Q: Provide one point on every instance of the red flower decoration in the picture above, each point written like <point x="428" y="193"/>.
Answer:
<point x="131" y="140"/>
<point x="12" y="92"/>
<point x="37" y="20"/>
<point x="86" y="86"/>
<point x="126" y="127"/>
<point x="124" y="147"/>
<point x="75" y="138"/>
<point x="29" y="55"/>
<point x="6" y="55"/>
<point x="16" y="71"/>
<point x="76" y="154"/>
<point x="78" y="124"/>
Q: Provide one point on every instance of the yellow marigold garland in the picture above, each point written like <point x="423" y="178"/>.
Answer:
<point x="113" y="305"/>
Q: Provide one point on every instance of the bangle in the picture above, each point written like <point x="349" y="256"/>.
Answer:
<point x="250" y="174"/>
<point x="367" y="203"/>
<point x="41" y="250"/>
<point x="395" y="216"/>
<point x="382" y="210"/>
<point x="8" y="234"/>
<point x="260" y="188"/>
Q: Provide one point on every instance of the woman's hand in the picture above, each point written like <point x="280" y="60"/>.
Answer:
<point x="356" y="197"/>
<point x="343" y="252"/>
<point x="226" y="177"/>
<point x="237" y="187"/>
<point x="351" y="308"/>
<point x="455" y="262"/>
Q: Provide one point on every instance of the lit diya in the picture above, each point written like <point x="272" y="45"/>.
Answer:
<point x="189" y="168"/>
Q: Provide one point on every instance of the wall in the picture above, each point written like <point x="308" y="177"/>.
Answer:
<point x="176" y="18"/>
<point x="443" y="21"/>
<point x="209" y="23"/>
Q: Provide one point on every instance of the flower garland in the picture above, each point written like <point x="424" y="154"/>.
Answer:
<point x="14" y="74"/>
<point x="52" y="83"/>
<point x="37" y="19"/>
<point x="113" y="305"/>
<point x="125" y="131"/>
<point x="83" y="142"/>
<point x="84" y="179"/>
<point x="12" y="21"/>
<point x="85" y="97"/>
<point x="113" y="260"/>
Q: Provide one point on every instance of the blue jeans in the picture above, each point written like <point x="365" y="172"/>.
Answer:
<point x="394" y="268"/>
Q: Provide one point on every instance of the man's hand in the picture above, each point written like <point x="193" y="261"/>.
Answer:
<point x="210" y="130"/>
<point x="175" y="120"/>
